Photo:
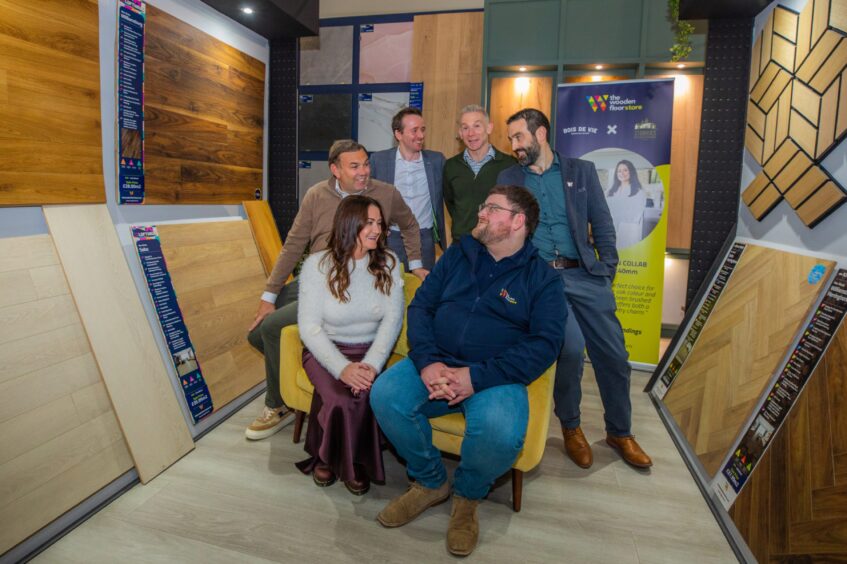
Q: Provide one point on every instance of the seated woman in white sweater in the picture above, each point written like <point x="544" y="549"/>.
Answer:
<point x="350" y="313"/>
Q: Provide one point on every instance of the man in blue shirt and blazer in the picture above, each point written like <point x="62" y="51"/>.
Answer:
<point x="577" y="237"/>
<point x="417" y="174"/>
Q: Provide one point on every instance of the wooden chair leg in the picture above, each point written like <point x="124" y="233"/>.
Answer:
<point x="299" y="416"/>
<point x="517" y="489"/>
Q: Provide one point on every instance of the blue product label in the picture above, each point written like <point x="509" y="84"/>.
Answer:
<point x="366" y="28"/>
<point x="816" y="273"/>
<point x="306" y="98"/>
<point x="416" y="95"/>
<point x="366" y="97"/>
<point x="305" y="164"/>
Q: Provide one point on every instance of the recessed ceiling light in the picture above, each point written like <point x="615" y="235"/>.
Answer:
<point x="681" y="66"/>
<point x="247" y="10"/>
<point x="598" y="67"/>
<point x="522" y="69"/>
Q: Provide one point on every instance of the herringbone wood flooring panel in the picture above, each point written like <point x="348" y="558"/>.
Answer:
<point x="218" y="278"/>
<point x="794" y="506"/>
<point x="740" y="348"/>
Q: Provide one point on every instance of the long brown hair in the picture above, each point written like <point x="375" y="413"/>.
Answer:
<point x="350" y="218"/>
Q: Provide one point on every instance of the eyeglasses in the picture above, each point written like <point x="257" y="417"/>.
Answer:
<point x="491" y="208"/>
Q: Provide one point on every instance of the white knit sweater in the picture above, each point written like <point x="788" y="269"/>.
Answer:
<point x="368" y="317"/>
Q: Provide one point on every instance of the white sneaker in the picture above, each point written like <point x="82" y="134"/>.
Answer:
<point x="269" y="422"/>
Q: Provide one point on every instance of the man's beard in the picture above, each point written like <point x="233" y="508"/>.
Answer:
<point x="488" y="234"/>
<point x="529" y="154"/>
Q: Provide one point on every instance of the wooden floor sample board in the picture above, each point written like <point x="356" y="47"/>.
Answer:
<point x="59" y="439"/>
<point x="740" y="347"/>
<point x="50" y="139"/>
<point x="203" y="116"/>
<point x="794" y="505"/>
<point x="218" y="279"/>
<point x="265" y="232"/>
<point x="120" y="336"/>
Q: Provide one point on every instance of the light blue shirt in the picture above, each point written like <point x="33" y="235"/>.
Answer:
<point x="553" y="235"/>
<point x="476" y="166"/>
<point x="410" y="181"/>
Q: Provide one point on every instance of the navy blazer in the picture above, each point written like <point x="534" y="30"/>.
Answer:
<point x="586" y="205"/>
<point x="382" y="168"/>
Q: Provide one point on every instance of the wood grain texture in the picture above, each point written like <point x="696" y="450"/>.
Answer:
<point x="203" y="116"/>
<point x="780" y="158"/>
<point x="265" y="232"/>
<point x="759" y="312"/>
<point x="765" y="202"/>
<point x="821" y="203"/>
<point x="447" y="57"/>
<point x="756" y="187"/>
<point x="54" y="410"/>
<point x="805" y="186"/>
<point x="50" y="103"/>
<point x="508" y="95"/>
<point x="795" y="168"/>
<point x="685" y="146"/>
<point x="817" y="56"/>
<point x="120" y="336"/>
<point x="217" y="275"/>
<point x="794" y="505"/>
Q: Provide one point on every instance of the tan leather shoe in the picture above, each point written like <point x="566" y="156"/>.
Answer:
<point x="629" y="451"/>
<point x="415" y="501"/>
<point x="463" y="531"/>
<point x="577" y="447"/>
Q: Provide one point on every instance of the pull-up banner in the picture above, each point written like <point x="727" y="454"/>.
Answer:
<point x="624" y="128"/>
<point x="130" y="73"/>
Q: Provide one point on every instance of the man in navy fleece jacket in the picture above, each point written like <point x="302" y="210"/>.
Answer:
<point x="488" y="320"/>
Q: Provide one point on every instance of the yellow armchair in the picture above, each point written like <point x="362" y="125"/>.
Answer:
<point x="447" y="431"/>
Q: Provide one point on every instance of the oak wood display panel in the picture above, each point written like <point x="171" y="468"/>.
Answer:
<point x="50" y="139"/>
<point x="59" y="439"/>
<point x="740" y="347"/>
<point x="203" y="116"/>
<point x="265" y="232"/>
<point x="120" y="336"/>
<point x="794" y="506"/>
<point x="218" y="278"/>
<point x="510" y="94"/>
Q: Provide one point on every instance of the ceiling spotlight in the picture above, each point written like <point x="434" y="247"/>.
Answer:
<point x="598" y="67"/>
<point x="522" y="69"/>
<point x="247" y="10"/>
<point x="681" y="66"/>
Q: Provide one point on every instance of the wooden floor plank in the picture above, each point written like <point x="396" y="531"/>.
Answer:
<point x="740" y="347"/>
<point x="121" y="338"/>
<point x="265" y="232"/>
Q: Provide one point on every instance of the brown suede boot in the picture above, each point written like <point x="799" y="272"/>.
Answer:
<point x="463" y="531"/>
<point x="629" y="450"/>
<point x="577" y="447"/>
<point x="415" y="501"/>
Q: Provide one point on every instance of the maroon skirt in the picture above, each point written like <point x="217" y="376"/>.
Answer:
<point x="342" y="431"/>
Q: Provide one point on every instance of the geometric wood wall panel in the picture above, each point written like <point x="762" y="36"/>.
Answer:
<point x="217" y="276"/>
<point x="203" y="116"/>
<point x="59" y="439"/>
<point x="798" y="110"/>
<point x="794" y="506"/>
<point x="50" y="138"/>
<point x="120" y="335"/>
<point x="447" y="57"/>
<point x="747" y="334"/>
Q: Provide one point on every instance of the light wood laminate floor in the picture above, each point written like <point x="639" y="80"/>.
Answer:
<point x="235" y="501"/>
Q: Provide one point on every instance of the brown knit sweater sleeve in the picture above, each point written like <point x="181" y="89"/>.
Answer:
<point x="295" y="243"/>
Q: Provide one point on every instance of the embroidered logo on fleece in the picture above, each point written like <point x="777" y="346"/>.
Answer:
<point x="505" y="295"/>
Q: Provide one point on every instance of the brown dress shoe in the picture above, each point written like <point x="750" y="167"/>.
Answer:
<point x="360" y="485"/>
<point x="415" y="501"/>
<point x="323" y="475"/>
<point x="463" y="530"/>
<point x="629" y="451"/>
<point x="577" y="447"/>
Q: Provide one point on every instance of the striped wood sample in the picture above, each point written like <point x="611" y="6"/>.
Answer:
<point x="797" y="88"/>
<point x="50" y="139"/>
<point x="447" y="58"/>
<point x="794" y="505"/>
<point x="265" y="232"/>
<point x="59" y="439"/>
<point x="218" y="278"/>
<point x="685" y="145"/>
<point x="203" y="116"/>
<point x="120" y="336"/>
<point x="740" y="347"/>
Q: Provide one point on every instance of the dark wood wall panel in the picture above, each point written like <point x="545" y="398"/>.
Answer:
<point x="794" y="507"/>
<point x="50" y="139"/>
<point x="203" y="116"/>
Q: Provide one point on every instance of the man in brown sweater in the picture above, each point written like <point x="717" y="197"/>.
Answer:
<point x="350" y="167"/>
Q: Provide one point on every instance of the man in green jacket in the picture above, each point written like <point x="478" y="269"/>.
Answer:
<point x="469" y="175"/>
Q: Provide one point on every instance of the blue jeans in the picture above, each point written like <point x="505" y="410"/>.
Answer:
<point x="495" y="426"/>
<point x="592" y="322"/>
<point x="395" y="243"/>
